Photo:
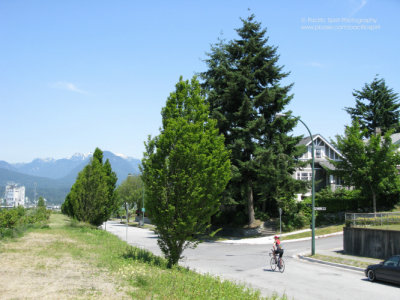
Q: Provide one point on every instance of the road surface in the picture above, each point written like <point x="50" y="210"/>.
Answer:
<point x="249" y="264"/>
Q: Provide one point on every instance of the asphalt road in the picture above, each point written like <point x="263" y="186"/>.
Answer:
<point x="249" y="264"/>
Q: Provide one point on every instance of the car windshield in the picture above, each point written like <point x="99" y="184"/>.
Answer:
<point x="392" y="262"/>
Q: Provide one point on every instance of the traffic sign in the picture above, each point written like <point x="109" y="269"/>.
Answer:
<point x="319" y="208"/>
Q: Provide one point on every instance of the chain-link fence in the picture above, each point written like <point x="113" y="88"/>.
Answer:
<point x="372" y="219"/>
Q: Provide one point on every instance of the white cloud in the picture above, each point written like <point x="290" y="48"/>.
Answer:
<point x="64" y="85"/>
<point x="360" y="5"/>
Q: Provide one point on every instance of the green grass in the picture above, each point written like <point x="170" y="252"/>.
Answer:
<point x="318" y="231"/>
<point x="343" y="260"/>
<point x="387" y="227"/>
<point x="145" y="273"/>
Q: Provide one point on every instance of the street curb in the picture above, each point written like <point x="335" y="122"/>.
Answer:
<point x="316" y="237"/>
<point x="266" y="240"/>
<point x="300" y="256"/>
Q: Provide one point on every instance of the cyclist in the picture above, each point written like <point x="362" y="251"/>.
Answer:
<point x="277" y="249"/>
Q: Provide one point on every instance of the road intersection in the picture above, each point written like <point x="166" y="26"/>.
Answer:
<point x="249" y="264"/>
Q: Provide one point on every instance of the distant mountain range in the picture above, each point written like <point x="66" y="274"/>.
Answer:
<point x="54" y="177"/>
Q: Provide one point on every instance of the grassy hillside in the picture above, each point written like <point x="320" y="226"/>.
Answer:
<point x="75" y="261"/>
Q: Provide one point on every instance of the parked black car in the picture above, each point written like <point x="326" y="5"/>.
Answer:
<point x="388" y="270"/>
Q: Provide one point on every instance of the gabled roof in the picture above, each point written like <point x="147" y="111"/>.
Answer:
<point x="395" y="138"/>
<point x="307" y="142"/>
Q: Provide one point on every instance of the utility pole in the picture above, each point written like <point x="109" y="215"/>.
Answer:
<point x="34" y="194"/>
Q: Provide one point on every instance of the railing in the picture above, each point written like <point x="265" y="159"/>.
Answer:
<point x="372" y="219"/>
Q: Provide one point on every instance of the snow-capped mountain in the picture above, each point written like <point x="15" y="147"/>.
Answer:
<point x="54" y="177"/>
<point x="60" y="168"/>
<point x="80" y="156"/>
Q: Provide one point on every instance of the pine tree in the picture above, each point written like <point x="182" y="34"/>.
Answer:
<point x="244" y="93"/>
<point x="377" y="106"/>
<point x="112" y="201"/>
<point x="184" y="170"/>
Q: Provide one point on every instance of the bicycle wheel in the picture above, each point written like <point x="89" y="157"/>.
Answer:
<point x="273" y="264"/>
<point x="282" y="266"/>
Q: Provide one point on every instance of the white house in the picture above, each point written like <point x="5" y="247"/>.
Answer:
<point x="323" y="151"/>
<point x="15" y="195"/>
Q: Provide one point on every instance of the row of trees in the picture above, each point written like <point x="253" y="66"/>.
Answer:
<point x="92" y="198"/>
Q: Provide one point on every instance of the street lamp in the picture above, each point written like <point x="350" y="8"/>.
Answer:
<point x="312" y="184"/>
<point x="143" y="210"/>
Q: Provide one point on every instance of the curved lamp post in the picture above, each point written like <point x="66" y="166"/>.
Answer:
<point x="312" y="183"/>
<point x="143" y="209"/>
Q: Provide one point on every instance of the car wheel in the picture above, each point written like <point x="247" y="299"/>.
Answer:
<point x="371" y="275"/>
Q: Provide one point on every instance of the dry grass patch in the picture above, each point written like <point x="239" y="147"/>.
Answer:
<point x="40" y="266"/>
<point x="71" y="260"/>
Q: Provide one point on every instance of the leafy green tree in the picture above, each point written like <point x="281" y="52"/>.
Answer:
<point x="130" y="193"/>
<point x="92" y="198"/>
<point x="377" y="106"/>
<point x="41" y="202"/>
<point x="184" y="169"/>
<point x="244" y="91"/>
<point x="370" y="165"/>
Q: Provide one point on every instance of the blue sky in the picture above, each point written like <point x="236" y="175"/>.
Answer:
<point x="76" y="75"/>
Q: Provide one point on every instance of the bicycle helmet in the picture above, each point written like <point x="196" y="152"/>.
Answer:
<point x="276" y="237"/>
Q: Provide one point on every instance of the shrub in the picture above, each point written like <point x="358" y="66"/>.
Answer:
<point x="296" y="214"/>
<point x="16" y="220"/>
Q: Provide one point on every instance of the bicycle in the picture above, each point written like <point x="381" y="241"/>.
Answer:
<point x="277" y="261"/>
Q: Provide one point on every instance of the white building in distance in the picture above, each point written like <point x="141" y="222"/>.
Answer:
<point x="15" y="195"/>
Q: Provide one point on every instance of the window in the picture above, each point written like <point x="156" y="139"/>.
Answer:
<point x="393" y="261"/>
<point x="318" y="153"/>
<point x="305" y="176"/>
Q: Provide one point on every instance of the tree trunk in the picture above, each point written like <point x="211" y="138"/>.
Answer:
<point x="250" y="203"/>
<point x="264" y="206"/>
<point x="374" y="201"/>
<point x="127" y="213"/>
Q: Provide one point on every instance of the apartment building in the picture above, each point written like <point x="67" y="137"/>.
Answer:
<point x="14" y="195"/>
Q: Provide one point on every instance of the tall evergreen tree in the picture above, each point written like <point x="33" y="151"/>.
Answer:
<point x="92" y="198"/>
<point x="184" y="170"/>
<point x="111" y="180"/>
<point x="244" y="93"/>
<point x="377" y="106"/>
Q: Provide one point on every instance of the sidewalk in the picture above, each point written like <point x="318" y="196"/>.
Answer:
<point x="340" y="256"/>
<point x="266" y="240"/>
